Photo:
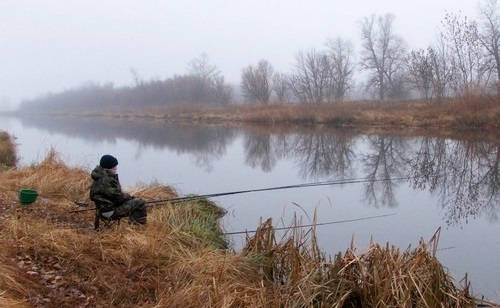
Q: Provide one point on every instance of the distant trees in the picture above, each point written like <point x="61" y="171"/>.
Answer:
<point x="420" y="72"/>
<point x="341" y="65"/>
<point x="471" y="70"/>
<point x="464" y="60"/>
<point x="202" y="85"/>
<point x="323" y="76"/>
<point x="89" y="95"/>
<point x="281" y="87"/>
<point x="319" y="76"/>
<point x="310" y="78"/>
<point x="207" y="82"/>
<point x="429" y="72"/>
<point x="442" y="72"/>
<point x="489" y="35"/>
<point x="256" y="82"/>
<point x="382" y="55"/>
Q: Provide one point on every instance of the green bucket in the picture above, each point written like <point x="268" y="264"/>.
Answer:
<point x="27" y="196"/>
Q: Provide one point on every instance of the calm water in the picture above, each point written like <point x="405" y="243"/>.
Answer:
<point x="464" y="200"/>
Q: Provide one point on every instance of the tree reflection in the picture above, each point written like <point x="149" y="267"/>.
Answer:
<point x="318" y="155"/>
<point x="464" y="174"/>
<point x="259" y="151"/>
<point x="384" y="160"/>
<point x="324" y="155"/>
<point x="205" y="143"/>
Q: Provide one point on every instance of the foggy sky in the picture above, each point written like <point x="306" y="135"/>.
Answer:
<point x="53" y="45"/>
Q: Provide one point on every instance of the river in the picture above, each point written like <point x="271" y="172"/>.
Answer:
<point x="456" y="184"/>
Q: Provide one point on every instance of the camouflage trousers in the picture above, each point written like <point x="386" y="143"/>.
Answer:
<point x="134" y="208"/>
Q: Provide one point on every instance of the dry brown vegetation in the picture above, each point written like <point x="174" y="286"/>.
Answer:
<point x="463" y="113"/>
<point x="180" y="258"/>
<point x="7" y="151"/>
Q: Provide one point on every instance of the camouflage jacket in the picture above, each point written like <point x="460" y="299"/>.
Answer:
<point x="106" y="191"/>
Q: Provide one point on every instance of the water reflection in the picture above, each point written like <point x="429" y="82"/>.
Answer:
<point x="259" y="151"/>
<point x="316" y="155"/>
<point x="206" y="144"/>
<point x="321" y="155"/>
<point x="385" y="159"/>
<point x="463" y="173"/>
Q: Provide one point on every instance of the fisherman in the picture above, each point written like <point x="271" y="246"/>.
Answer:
<point x="108" y="197"/>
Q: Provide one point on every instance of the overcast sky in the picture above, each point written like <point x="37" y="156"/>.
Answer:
<point x="53" y="45"/>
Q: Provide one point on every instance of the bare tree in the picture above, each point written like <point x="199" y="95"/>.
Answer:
<point x="138" y="81"/>
<point x="203" y="74"/>
<point x="428" y="72"/>
<point x="256" y="82"/>
<point x="471" y="70"/>
<point x="442" y="72"/>
<point x="310" y="79"/>
<point x="206" y="82"/>
<point x="489" y="34"/>
<point x="420" y="72"/>
<point x="222" y="91"/>
<point x="281" y="87"/>
<point x="201" y="67"/>
<point x="383" y="54"/>
<point x="340" y="53"/>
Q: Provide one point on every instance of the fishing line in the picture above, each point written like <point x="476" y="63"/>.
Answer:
<point x="313" y="225"/>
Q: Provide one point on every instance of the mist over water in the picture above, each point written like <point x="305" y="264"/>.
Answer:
<point x="456" y="182"/>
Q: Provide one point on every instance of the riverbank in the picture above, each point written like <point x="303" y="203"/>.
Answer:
<point x="180" y="258"/>
<point x="474" y="113"/>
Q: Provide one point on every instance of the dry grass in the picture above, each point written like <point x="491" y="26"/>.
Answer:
<point x="461" y="113"/>
<point x="464" y="113"/>
<point x="13" y="285"/>
<point x="179" y="259"/>
<point x="7" y="151"/>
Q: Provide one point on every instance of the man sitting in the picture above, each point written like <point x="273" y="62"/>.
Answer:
<point x="108" y="197"/>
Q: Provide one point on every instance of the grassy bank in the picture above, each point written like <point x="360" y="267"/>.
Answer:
<point x="180" y="258"/>
<point x="7" y="151"/>
<point x="471" y="113"/>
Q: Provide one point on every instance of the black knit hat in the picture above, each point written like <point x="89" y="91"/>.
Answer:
<point x="108" y="162"/>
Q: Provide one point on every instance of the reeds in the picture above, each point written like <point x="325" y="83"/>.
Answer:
<point x="180" y="258"/>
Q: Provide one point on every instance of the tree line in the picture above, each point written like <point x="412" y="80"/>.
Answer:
<point x="202" y="84"/>
<point x="464" y="60"/>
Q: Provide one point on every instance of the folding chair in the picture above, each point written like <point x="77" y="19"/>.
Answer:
<point x="108" y="221"/>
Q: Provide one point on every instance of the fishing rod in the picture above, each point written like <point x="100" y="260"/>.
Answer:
<point x="312" y="184"/>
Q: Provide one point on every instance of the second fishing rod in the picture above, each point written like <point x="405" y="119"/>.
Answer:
<point x="302" y="185"/>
